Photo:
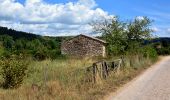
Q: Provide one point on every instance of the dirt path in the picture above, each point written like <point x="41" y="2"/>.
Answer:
<point x="154" y="84"/>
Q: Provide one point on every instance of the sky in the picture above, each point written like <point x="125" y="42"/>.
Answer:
<point x="72" y="17"/>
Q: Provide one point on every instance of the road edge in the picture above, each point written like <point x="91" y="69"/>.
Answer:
<point x="112" y="94"/>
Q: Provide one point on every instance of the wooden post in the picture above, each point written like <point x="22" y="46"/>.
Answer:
<point x="123" y="61"/>
<point x="101" y="70"/>
<point x="106" y="69"/>
<point x="119" y="65"/>
<point x="113" y="65"/>
<point x="103" y="75"/>
<point x="94" y="72"/>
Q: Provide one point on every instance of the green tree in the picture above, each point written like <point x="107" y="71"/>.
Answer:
<point x="139" y="29"/>
<point x="123" y="36"/>
<point x="1" y="50"/>
<point x="8" y="42"/>
<point x="113" y="31"/>
<point x="19" y="44"/>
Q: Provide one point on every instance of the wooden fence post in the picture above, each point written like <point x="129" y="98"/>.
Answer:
<point x="113" y="65"/>
<point x="123" y="61"/>
<point x="106" y="69"/>
<point x="101" y="70"/>
<point x="119" y="65"/>
<point x="94" y="72"/>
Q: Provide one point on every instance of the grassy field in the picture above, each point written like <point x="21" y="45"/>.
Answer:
<point x="64" y="79"/>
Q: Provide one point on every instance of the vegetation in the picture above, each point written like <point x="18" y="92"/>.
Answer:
<point x="13" y="72"/>
<point x="65" y="79"/>
<point x="123" y="37"/>
<point x="48" y="77"/>
<point x="38" y="47"/>
<point x="162" y="45"/>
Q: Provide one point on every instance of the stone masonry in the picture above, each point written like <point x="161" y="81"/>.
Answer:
<point x="84" y="46"/>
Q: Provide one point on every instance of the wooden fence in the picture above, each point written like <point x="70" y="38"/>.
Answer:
<point x="102" y="69"/>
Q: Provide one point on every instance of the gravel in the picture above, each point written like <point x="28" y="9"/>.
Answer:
<point x="153" y="84"/>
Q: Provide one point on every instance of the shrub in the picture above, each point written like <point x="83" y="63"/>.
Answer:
<point x="13" y="71"/>
<point x="1" y="51"/>
<point x="53" y="54"/>
<point x="163" y="51"/>
<point x="40" y="55"/>
<point x="150" y="52"/>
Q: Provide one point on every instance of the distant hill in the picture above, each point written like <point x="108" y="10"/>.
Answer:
<point x="17" y="34"/>
<point x="161" y="39"/>
<point x="28" y="36"/>
<point x="158" y="40"/>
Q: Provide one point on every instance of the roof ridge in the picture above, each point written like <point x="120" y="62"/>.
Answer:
<point x="94" y="38"/>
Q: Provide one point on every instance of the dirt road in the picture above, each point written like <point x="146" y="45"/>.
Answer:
<point x="154" y="84"/>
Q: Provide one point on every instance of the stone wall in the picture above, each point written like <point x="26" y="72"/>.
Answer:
<point x="83" y="47"/>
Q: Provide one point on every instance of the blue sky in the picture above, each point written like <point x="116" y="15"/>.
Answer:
<point x="59" y="17"/>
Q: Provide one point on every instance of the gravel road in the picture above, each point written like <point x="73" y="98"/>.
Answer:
<point x="153" y="84"/>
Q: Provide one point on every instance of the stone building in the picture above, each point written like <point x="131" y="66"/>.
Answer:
<point x="84" y="46"/>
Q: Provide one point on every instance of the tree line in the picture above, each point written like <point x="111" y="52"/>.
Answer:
<point x="21" y="43"/>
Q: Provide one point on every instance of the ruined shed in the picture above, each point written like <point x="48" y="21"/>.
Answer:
<point x="84" y="46"/>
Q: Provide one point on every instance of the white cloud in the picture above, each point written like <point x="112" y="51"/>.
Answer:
<point x="33" y="1"/>
<point x="155" y="29"/>
<point x="42" y="18"/>
<point x="168" y="30"/>
<point x="9" y="9"/>
<point x="87" y="3"/>
<point x="140" y="17"/>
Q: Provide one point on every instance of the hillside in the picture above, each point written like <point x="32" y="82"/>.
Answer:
<point x="161" y="39"/>
<point x="17" y="42"/>
<point x="17" y="34"/>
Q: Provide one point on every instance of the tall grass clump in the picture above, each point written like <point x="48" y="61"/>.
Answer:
<point x="13" y="71"/>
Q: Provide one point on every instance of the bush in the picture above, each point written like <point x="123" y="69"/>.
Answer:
<point x="53" y="54"/>
<point x="40" y="55"/>
<point x="13" y="71"/>
<point x="150" y="52"/>
<point x="163" y="51"/>
<point x="1" y="51"/>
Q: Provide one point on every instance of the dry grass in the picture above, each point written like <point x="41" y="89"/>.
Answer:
<point x="64" y="80"/>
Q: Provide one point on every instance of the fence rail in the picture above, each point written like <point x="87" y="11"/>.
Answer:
<point x="101" y="70"/>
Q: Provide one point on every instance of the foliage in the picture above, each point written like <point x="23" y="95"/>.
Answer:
<point x="17" y="34"/>
<point x="13" y="71"/>
<point x="139" y="29"/>
<point x="161" y="45"/>
<point x="7" y="42"/>
<point x="163" y="51"/>
<point x="39" y="47"/>
<point x="113" y="32"/>
<point x="149" y="52"/>
<point x="67" y="79"/>
<point x="69" y="74"/>
<point x="41" y="54"/>
<point x="1" y="50"/>
<point x="123" y="36"/>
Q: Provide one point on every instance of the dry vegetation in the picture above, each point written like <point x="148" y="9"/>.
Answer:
<point x="65" y="80"/>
